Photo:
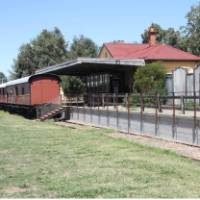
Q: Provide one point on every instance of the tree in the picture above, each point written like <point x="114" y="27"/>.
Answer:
<point x="48" y="48"/>
<point x="3" y="78"/>
<point x="150" y="79"/>
<point x="160" y="33"/>
<point x="72" y="85"/>
<point x="24" y="64"/>
<point x="172" y="37"/>
<point x="192" y="30"/>
<point x="168" y="36"/>
<point x="83" y="47"/>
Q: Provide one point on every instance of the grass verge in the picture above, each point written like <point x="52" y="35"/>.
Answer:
<point x="41" y="159"/>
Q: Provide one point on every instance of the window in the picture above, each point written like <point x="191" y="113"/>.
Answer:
<point x="23" y="91"/>
<point x="16" y="91"/>
<point x="10" y="91"/>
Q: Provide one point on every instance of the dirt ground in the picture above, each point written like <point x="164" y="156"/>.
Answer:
<point x="72" y="125"/>
<point x="12" y="190"/>
<point x="181" y="149"/>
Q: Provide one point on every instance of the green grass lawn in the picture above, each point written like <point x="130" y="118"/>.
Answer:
<point x="41" y="159"/>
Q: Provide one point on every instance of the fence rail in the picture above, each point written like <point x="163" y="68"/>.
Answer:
<point x="172" y="117"/>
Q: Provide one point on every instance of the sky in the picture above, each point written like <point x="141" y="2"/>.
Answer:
<point x="100" y="20"/>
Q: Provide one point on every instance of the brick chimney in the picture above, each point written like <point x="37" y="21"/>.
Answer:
<point x="152" y="35"/>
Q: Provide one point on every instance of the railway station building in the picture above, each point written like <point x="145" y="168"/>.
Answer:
<point x="112" y="71"/>
<point x="101" y="75"/>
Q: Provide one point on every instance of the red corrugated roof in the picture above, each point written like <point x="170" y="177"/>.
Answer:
<point x="147" y="52"/>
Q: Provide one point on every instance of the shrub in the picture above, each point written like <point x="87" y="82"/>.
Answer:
<point x="150" y="79"/>
<point x="72" y="85"/>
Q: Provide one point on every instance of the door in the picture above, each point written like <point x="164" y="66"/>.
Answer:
<point x="115" y="85"/>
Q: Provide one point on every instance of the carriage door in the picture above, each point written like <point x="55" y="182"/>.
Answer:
<point x="115" y="84"/>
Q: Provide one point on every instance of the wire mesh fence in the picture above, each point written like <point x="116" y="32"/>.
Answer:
<point x="172" y="117"/>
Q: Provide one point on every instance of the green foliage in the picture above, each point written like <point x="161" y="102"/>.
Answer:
<point x="72" y="85"/>
<point x="48" y="48"/>
<point x="189" y="104"/>
<point x="25" y="63"/>
<point x="172" y="37"/>
<point x="187" y="38"/>
<point x="159" y="30"/>
<point x="192" y="30"/>
<point x="3" y="78"/>
<point x="83" y="47"/>
<point x="134" y="100"/>
<point x="168" y="36"/>
<point x="150" y="79"/>
<point x="51" y="46"/>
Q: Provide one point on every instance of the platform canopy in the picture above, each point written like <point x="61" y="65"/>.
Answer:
<point x="85" y="66"/>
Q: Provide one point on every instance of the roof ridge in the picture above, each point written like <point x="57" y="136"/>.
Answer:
<point x="104" y="45"/>
<point x="145" y="49"/>
<point x="180" y="50"/>
<point x="125" y="43"/>
<point x="143" y="44"/>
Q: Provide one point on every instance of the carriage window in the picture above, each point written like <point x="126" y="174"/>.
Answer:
<point x="23" y="91"/>
<point x="10" y="91"/>
<point x="16" y="90"/>
<point x="27" y="88"/>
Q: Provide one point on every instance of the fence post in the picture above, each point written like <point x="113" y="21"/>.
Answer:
<point x="156" y="113"/>
<point x="77" y="107"/>
<point x="98" y="101"/>
<point x="117" y="113"/>
<point x="91" y="104"/>
<point x="126" y="99"/>
<point x="84" y="109"/>
<point x="182" y="105"/>
<point x="128" y="107"/>
<point x="174" y="132"/>
<point x="103" y="101"/>
<point x="107" y="111"/>
<point x="143" y="103"/>
<point x="71" y="112"/>
<point x="141" y="112"/>
<point x="113" y="100"/>
<point x="194" y="137"/>
<point x="159" y="104"/>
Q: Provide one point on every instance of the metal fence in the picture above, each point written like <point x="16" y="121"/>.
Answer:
<point x="170" y="117"/>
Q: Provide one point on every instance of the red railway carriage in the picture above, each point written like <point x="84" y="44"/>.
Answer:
<point x="32" y="90"/>
<point x="3" y="93"/>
